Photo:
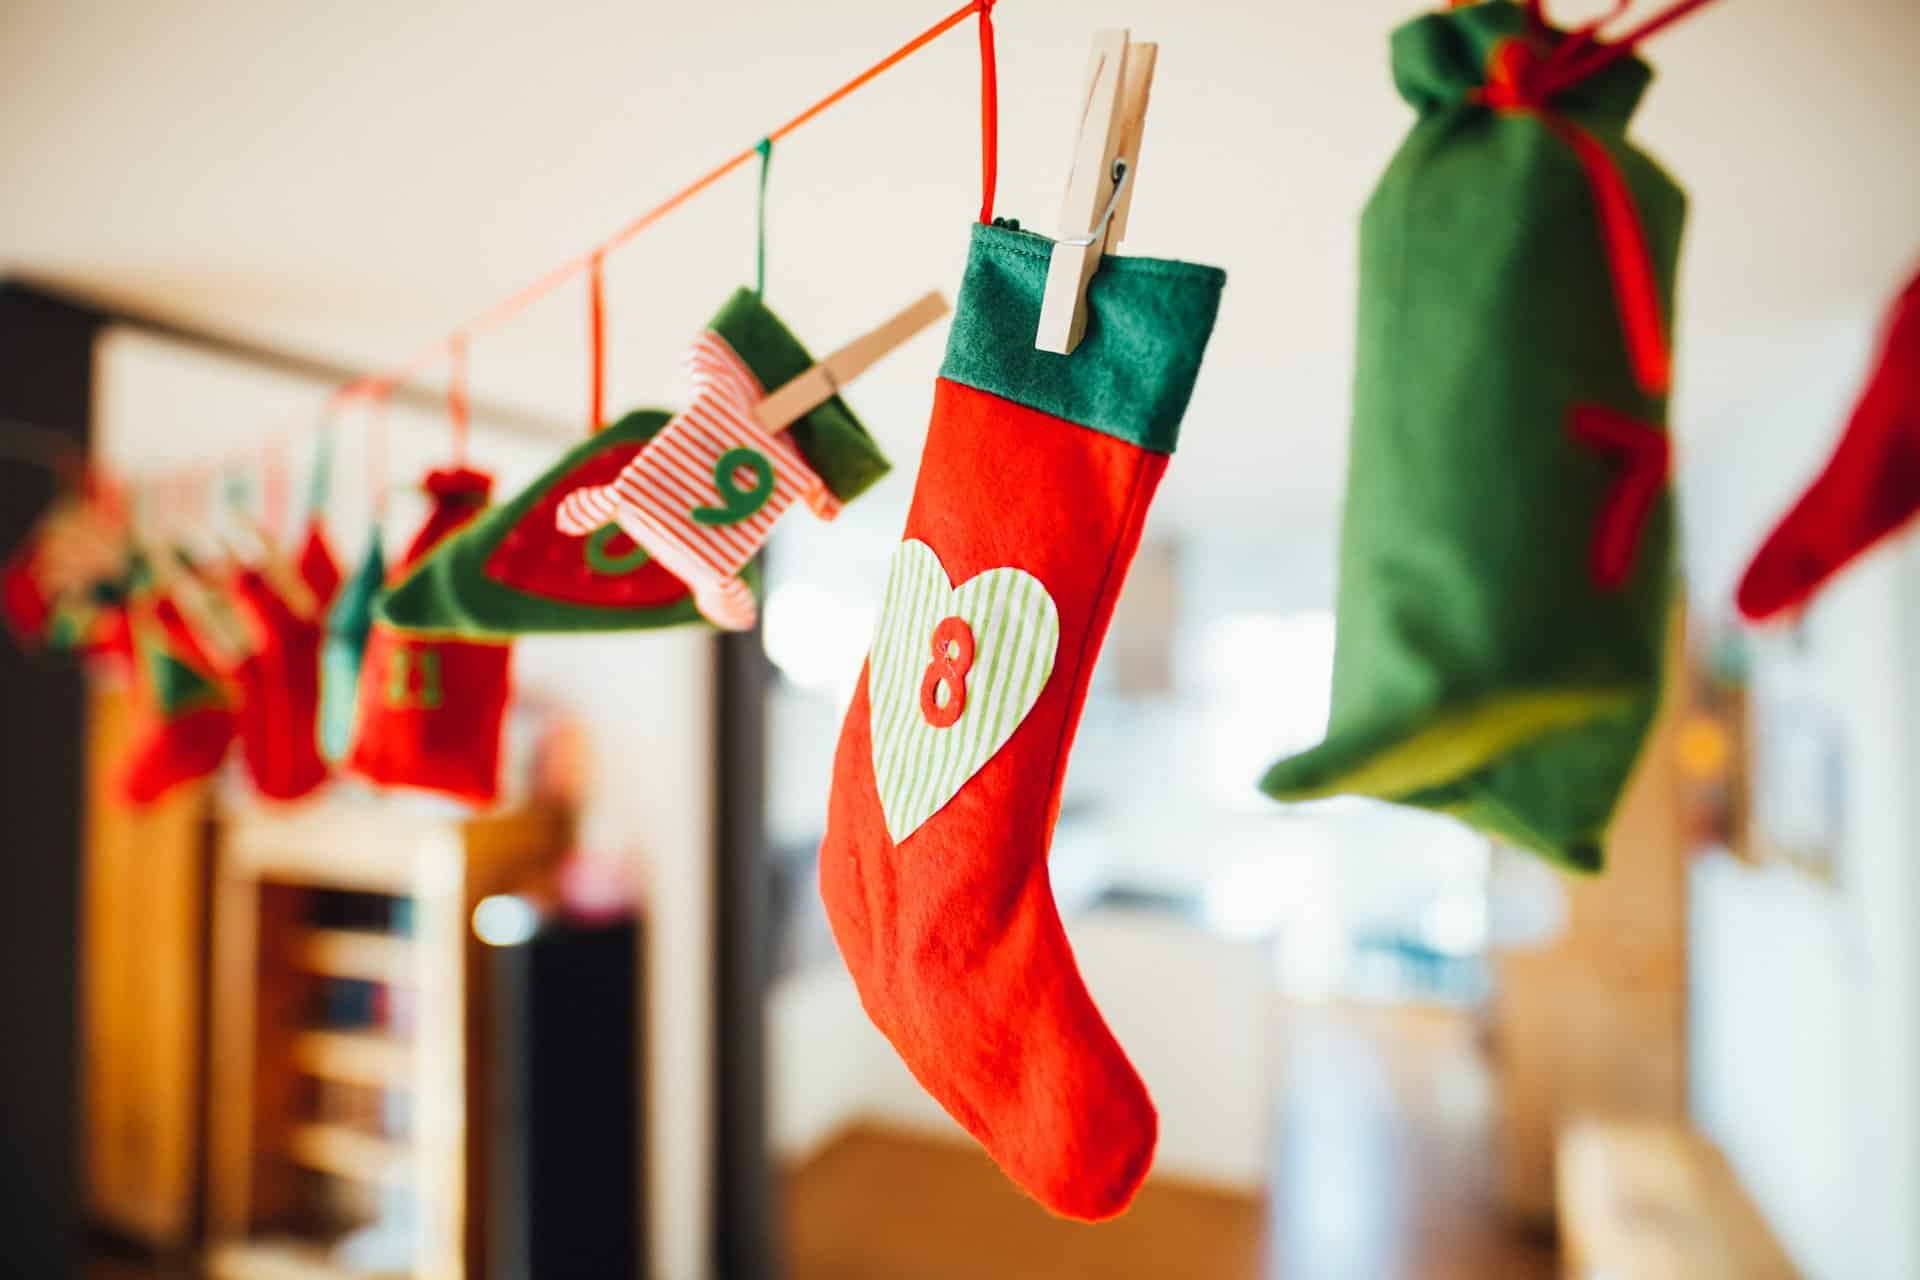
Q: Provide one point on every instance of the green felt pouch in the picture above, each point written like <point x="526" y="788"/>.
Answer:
<point x="1505" y="575"/>
<point x="510" y="572"/>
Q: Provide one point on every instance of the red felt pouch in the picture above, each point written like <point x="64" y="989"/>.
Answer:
<point x="431" y="709"/>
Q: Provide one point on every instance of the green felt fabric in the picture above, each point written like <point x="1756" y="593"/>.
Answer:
<point x="1479" y="669"/>
<point x="462" y="590"/>
<point x="450" y="592"/>
<point x="831" y="439"/>
<point x="349" y="623"/>
<point x="1148" y="320"/>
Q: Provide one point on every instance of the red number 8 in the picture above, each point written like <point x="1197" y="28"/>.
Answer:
<point x="952" y="647"/>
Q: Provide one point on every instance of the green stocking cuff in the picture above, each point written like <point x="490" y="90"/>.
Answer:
<point x="1148" y="320"/>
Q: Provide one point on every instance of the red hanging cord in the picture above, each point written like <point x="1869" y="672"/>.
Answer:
<point x="1514" y="74"/>
<point x="273" y="486"/>
<point x="597" y="325"/>
<point x="377" y="481"/>
<point x="1597" y="56"/>
<point x="989" y="113"/>
<point x="457" y="396"/>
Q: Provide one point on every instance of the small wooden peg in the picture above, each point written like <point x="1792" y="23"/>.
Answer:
<point x="823" y="381"/>
<point x="1100" y="186"/>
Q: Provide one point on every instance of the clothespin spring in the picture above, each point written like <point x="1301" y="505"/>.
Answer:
<point x="1120" y="176"/>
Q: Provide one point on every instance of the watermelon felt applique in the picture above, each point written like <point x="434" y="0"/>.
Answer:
<point x="512" y="571"/>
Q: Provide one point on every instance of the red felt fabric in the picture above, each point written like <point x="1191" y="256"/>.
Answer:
<point x="430" y="711"/>
<point x="430" y="714"/>
<point x="171" y="750"/>
<point x="458" y="494"/>
<point x="318" y="568"/>
<point x="279" y="684"/>
<point x="535" y="557"/>
<point x="23" y="603"/>
<point x="952" y="937"/>
<point x="1869" y="488"/>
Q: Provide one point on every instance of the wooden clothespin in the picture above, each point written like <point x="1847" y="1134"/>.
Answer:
<point x="1106" y="161"/>
<point x="823" y="381"/>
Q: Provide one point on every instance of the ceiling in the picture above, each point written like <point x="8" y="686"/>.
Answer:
<point x="347" y="180"/>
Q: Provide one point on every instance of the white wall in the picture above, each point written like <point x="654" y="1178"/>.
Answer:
<point x="1805" y="1003"/>
<point x="647" y="700"/>
<point x="1190" y="1010"/>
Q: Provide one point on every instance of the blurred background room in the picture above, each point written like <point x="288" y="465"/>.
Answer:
<point x="597" y="1025"/>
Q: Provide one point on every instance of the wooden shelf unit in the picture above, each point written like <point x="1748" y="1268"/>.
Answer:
<point x="269" y="959"/>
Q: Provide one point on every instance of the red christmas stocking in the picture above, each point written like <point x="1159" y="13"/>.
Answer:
<point x="1032" y="490"/>
<point x="1870" y="487"/>
<point x="279" y="691"/>
<point x="189" y="715"/>
<point x="431" y="708"/>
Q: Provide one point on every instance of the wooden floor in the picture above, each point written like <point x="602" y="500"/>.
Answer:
<point x="1381" y="1170"/>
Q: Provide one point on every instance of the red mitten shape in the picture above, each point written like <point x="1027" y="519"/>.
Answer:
<point x="1870" y="487"/>
<point x="188" y="718"/>
<point x="279" y="685"/>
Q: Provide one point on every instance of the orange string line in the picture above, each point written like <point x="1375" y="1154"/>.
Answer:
<point x="597" y="327"/>
<point x="377" y="482"/>
<point x="514" y="303"/>
<point x="457" y="394"/>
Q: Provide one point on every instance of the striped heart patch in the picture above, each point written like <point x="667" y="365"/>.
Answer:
<point x="953" y="673"/>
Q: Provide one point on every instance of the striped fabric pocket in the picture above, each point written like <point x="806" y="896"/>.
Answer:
<point x="704" y="494"/>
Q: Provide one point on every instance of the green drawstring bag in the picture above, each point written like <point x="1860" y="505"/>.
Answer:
<point x="1506" y="560"/>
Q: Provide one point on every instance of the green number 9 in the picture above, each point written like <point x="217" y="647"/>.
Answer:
<point x="611" y="566"/>
<point x="736" y="504"/>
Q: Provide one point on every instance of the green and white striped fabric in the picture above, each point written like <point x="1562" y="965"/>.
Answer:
<point x="1015" y="627"/>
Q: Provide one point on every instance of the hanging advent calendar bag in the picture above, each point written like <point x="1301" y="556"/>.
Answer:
<point x="517" y="569"/>
<point x="1032" y="492"/>
<point x="279" y="680"/>
<point x="1506" y="560"/>
<point x="1869" y="488"/>
<point x="431" y="706"/>
<point x="184" y="710"/>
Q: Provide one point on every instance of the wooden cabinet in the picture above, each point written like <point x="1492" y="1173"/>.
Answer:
<point x="143" y="983"/>
<point x="268" y="1147"/>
